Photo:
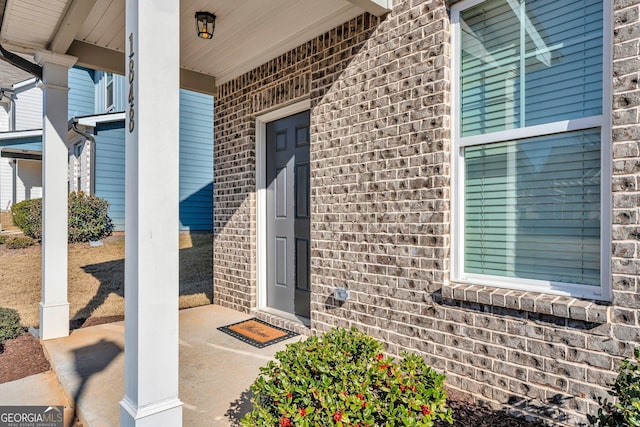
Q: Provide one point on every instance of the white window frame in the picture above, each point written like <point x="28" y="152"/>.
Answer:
<point x="602" y="292"/>
<point x="109" y="85"/>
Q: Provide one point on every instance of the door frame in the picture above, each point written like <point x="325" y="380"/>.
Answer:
<point x="261" y="192"/>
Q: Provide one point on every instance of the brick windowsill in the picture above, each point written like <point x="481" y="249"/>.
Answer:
<point x="535" y="302"/>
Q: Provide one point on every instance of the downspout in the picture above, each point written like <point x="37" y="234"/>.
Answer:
<point x="14" y="187"/>
<point x="92" y="154"/>
<point x="12" y="116"/>
<point x="12" y="112"/>
<point x="8" y="93"/>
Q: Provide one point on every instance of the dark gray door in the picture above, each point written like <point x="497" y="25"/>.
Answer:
<point x="288" y="287"/>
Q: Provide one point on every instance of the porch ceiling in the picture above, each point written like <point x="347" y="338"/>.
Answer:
<point x="248" y="32"/>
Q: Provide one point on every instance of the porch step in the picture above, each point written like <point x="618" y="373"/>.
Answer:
<point x="37" y="390"/>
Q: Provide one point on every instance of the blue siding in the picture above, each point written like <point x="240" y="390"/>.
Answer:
<point x="81" y="92"/>
<point x="109" y="169"/>
<point x="100" y="93"/>
<point x="196" y="164"/>
<point x="31" y="143"/>
<point x="196" y="161"/>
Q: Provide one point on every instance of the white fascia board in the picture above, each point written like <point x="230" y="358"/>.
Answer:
<point x="20" y="151"/>
<point x="20" y="134"/>
<point x="375" y="7"/>
<point x="92" y="121"/>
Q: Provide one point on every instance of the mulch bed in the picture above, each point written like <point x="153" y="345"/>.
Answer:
<point x="94" y="321"/>
<point x="21" y="357"/>
<point x="469" y="414"/>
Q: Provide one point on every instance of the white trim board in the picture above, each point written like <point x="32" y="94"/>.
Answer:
<point x="20" y="134"/>
<point x="92" y="121"/>
<point x="261" y="192"/>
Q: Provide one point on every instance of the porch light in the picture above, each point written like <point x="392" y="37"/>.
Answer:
<point x="205" y="24"/>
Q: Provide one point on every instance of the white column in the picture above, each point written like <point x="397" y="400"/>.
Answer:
<point x="151" y="248"/>
<point x="54" y="307"/>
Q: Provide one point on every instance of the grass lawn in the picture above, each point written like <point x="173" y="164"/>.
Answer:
<point x="96" y="277"/>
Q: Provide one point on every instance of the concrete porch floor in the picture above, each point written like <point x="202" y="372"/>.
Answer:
<point x="216" y="369"/>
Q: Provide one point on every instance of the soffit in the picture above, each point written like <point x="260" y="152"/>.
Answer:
<point x="248" y="32"/>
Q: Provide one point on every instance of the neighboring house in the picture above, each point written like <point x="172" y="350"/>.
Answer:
<point x="96" y="145"/>
<point x="20" y="142"/>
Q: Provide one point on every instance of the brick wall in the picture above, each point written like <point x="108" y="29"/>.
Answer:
<point x="279" y="82"/>
<point x="380" y="182"/>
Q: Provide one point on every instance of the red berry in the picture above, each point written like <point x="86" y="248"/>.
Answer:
<point x="337" y="416"/>
<point x="285" y="422"/>
<point x="303" y="412"/>
<point x="379" y="356"/>
<point x="425" y="410"/>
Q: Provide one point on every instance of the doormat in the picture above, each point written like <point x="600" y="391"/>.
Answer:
<point x="257" y="333"/>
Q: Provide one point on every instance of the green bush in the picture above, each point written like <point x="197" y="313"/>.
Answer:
<point x="626" y="389"/>
<point x="27" y="215"/>
<point x="9" y="324"/>
<point x="87" y="217"/>
<point x="344" y="380"/>
<point x="20" y="242"/>
<point x="3" y="239"/>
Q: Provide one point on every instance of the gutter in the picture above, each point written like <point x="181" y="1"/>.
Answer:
<point x="21" y="63"/>
<point x="92" y="146"/>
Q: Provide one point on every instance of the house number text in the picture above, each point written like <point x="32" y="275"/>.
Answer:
<point x="132" y="111"/>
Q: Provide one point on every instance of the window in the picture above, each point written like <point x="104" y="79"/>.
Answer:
<point x="108" y="96"/>
<point x="531" y="132"/>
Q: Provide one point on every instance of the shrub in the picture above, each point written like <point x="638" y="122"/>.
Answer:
<point x="20" y="242"/>
<point x="626" y="389"/>
<point x="9" y="324"/>
<point x="344" y="380"/>
<point x="3" y="239"/>
<point x="87" y="217"/>
<point x="27" y="215"/>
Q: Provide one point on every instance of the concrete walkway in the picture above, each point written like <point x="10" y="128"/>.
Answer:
<point x="36" y="390"/>
<point x="216" y="370"/>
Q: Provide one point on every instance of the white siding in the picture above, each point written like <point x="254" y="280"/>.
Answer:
<point x="29" y="109"/>
<point x="4" y="120"/>
<point x="29" y="185"/>
<point x="6" y="187"/>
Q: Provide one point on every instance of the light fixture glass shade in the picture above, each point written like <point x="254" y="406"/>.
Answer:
<point x="205" y="24"/>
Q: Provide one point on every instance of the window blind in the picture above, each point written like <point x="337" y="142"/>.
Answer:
<point x="532" y="208"/>
<point x="529" y="62"/>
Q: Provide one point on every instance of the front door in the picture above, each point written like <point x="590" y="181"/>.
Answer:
<point x="288" y="287"/>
